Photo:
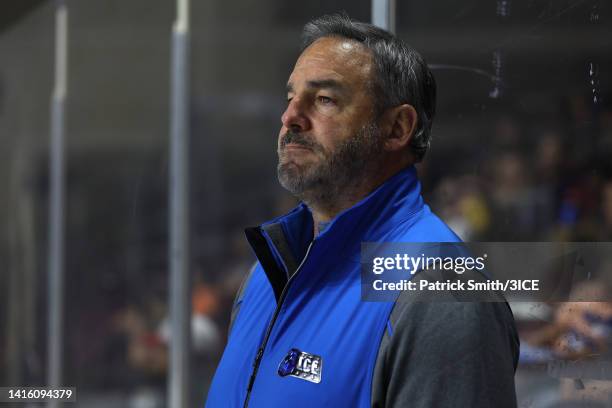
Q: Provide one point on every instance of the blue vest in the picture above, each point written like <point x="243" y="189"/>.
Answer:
<point x="319" y="311"/>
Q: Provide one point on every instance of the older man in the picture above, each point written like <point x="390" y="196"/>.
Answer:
<point x="360" y="105"/>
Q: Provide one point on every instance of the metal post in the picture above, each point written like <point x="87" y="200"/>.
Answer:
<point x="56" y="203"/>
<point x="180" y="294"/>
<point x="383" y="14"/>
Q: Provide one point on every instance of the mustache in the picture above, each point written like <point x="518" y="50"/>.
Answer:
<point x="299" y="139"/>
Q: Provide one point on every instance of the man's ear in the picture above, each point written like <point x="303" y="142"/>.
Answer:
<point x="403" y="121"/>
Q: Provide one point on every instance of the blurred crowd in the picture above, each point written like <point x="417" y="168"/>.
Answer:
<point x="531" y="181"/>
<point x="544" y="181"/>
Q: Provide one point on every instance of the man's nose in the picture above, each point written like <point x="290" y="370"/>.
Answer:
<point x="294" y="117"/>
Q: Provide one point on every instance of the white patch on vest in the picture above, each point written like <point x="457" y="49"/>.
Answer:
<point x="306" y="367"/>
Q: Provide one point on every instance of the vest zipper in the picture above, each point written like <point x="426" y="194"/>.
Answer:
<point x="262" y="346"/>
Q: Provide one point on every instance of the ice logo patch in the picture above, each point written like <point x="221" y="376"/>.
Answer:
<point x="300" y="364"/>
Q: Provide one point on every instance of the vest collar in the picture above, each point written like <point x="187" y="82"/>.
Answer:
<point x="397" y="199"/>
<point x="280" y="243"/>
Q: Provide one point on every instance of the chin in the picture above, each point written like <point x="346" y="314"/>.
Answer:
<point x="286" y="161"/>
<point x="289" y="168"/>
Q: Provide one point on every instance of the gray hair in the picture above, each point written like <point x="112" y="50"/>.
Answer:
<point x="402" y="75"/>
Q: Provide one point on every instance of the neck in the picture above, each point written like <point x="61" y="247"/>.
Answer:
<point x="326" y="204"/>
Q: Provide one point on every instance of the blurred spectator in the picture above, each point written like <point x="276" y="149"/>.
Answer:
<point x="579" y="328"/>
<point x="205" y="336"/>
<point x="463" y="207"/>
<point x="513" y="201"/>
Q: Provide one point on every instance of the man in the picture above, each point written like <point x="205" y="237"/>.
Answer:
<point x="360" y="105"/>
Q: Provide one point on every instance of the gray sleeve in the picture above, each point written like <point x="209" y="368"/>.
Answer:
<point x="447" y="354"/>
<point x="238" y="298"/>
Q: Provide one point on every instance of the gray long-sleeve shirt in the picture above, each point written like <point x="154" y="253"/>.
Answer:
<point x="447" y="354"/>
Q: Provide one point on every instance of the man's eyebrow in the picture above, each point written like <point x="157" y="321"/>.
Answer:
<point x="325" y="84"/>
<point x="320" y="84"/>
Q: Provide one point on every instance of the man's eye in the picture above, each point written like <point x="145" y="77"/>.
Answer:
<point x="325" y="100"/>
<point x="289" y="99"/>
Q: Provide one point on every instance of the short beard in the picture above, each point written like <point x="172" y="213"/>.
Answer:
<point x="337" y="173"/>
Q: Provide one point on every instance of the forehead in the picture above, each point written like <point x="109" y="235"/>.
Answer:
<point x="334" y="58"/>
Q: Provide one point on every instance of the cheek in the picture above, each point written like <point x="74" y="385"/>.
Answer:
<point x="326" y="111"/>
<point x="331" y="133"/>
<point x="324" y="137"/>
